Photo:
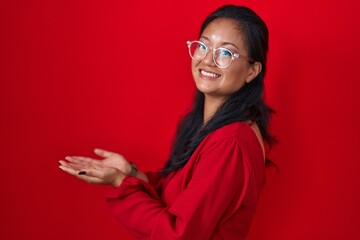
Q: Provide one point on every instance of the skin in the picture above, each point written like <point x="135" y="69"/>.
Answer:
<point x="113" y="167"/>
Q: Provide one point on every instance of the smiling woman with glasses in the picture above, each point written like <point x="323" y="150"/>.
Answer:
<point x="210" y="185"/>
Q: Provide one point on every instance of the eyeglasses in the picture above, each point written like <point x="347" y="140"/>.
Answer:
<point x="222" y="57"/>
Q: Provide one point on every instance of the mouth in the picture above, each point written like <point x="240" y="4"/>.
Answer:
<point x="208" y="74"/>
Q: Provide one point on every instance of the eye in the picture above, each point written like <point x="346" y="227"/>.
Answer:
<point x="202" y="46"/>
<point x="224" y="53"/>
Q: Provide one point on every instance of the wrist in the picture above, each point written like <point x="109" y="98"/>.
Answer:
<point x="133" y="170"/>
<point x="118" y="179"/>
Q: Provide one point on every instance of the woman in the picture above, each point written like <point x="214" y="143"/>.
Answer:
<point x="209" y="187"/>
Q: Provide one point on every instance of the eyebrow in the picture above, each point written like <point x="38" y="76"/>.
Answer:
<point x="223" y="43"/>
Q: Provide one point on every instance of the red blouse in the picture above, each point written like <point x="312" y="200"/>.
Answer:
<point x="214" y="196"/>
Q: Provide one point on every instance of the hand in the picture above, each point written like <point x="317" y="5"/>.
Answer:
<point x="111" y="159"/>
<point x="114" y="160"/>
<point x="92" y="171"/>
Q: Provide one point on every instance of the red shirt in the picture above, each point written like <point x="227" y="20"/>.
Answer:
<point x="214" y="196"/>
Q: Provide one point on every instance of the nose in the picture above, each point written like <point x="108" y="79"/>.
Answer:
<point x="209" y="58"/>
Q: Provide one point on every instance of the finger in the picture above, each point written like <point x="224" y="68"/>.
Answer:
<point x="79" y="158"/>
<point x="85" y="161"/>
<point x="69" y="170"/>
<point x="78" y="166"/>
<point x="83" y="177"/>
<point x="86" y="176"/>
<point x="65" y="164"/>
<point x="62" y="162"/>
<point x="92" y="176"/>
<point x="88" y="166"/>
<point x="104" y="153"/>
<point x="96" y="173"/>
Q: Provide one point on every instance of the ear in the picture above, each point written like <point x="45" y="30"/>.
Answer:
<point x="254" y="71"/>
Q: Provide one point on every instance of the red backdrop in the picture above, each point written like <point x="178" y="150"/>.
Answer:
<point x="76" y="75"/>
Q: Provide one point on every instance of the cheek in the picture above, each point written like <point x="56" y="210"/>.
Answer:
<point x="235" y="79"/>
<point x="194" y="69"/>
<point x="193" y="65"/>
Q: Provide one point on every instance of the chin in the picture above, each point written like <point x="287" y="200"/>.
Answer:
<point x="210" y="92"/>
<point x="204" y="87"/>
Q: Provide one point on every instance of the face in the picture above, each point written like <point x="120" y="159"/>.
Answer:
<point x="222" y="82"/>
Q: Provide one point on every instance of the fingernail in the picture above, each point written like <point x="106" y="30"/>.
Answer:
<point x="82" y="173"/>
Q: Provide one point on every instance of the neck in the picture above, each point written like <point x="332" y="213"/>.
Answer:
<point x="211" y="105"/>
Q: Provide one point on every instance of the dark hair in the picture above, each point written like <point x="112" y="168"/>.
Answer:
<point x="245" y="104"/>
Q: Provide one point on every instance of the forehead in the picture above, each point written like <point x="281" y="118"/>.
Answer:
<point x="224" y="30"/>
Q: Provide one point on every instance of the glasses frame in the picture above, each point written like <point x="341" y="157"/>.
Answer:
<point x="233" y="55"/>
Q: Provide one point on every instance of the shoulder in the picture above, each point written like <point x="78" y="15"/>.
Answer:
<point x="225" y="137"/>
<point x="235" y="130"/>
<point x="238" y="135"/>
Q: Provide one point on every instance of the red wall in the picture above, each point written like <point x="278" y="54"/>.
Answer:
<point x="75" y="75"/>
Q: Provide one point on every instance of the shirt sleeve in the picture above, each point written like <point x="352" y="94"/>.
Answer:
<point x="155" y="179"/>
<point x="219" y="180"/>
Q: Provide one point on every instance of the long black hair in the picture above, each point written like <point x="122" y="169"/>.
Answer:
<point x="245" y="104"/>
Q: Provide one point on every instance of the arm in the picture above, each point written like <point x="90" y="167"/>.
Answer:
<point x="155" y="179"/>
<point x="219" y="180"/>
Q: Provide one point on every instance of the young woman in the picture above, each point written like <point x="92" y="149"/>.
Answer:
<point x="209" y="187"/>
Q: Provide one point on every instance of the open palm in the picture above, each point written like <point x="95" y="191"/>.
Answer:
<point x="110" y="160"/>
<point x="114" y="160"/>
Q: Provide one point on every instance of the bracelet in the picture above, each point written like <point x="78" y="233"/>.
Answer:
<point x="134" y="170"/>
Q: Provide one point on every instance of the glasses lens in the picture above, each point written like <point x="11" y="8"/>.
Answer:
<point x="197" y="50"/>
<point x="223" y="57"/>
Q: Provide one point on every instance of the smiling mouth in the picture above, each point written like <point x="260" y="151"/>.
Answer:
<point x="209" y="74"/>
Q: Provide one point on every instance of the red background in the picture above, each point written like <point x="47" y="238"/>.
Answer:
<point x="76" y="75"/>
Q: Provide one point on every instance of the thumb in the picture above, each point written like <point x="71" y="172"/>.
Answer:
<point x="103" y="153"/>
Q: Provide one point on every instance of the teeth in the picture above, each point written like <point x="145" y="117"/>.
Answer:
<point x="209" y="74"/>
